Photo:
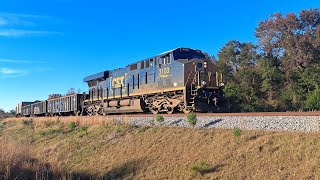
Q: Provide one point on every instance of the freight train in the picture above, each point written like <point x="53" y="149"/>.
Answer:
<point x="182" y="79"/>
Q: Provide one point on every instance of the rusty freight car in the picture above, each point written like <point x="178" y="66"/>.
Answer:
<point x="65" y="105"/>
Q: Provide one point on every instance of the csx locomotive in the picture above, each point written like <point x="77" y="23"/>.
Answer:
<point x="182" y="79"/>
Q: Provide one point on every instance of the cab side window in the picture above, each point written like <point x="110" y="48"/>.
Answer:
<point x="165" y="59"/>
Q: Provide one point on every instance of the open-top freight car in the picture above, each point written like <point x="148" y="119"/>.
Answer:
<point x="65" y="105"/>
<point x="19" y="108"/>
<point x="26" y="110"/>
<point x="39" y="108"/>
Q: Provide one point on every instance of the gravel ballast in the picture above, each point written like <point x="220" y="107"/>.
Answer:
<point x="268" y="123"/>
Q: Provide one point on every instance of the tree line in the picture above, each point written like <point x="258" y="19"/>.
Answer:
<point x="279" y="73"/>
<point x="4" y="114"/>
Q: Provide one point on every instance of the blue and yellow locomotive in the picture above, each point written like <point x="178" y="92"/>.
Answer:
<point x="182" y="79"/>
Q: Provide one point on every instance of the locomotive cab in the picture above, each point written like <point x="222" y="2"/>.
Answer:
<point x="203" y="84"/>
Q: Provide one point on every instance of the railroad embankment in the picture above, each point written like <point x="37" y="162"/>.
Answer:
<point x="92" y="147"/>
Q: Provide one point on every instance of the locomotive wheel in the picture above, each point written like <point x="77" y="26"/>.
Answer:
<point x="170" y="110"/>
<point x="90" y="111"/>
<point x="154" y="111"/>
<point x="186" y="111"/>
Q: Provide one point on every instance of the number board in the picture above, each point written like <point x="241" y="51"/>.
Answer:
<point x="164" y="72"/>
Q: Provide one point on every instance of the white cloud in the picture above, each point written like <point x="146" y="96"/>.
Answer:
<point x="9" y="72"/>
<point x="21" y="32"/>
<point x="19" y="61"/>
<point x="3" y="21"/>
<point x="14" y="19"/>
<point x="18" y="25"/>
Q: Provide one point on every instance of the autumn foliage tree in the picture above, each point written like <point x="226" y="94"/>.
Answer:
<point x="282" y="71"/>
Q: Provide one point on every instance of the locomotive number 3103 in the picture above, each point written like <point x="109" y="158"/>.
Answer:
<point x="164" y="72"/>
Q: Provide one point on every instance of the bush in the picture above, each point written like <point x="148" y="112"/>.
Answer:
<point x="192" y="119"/>
<point x="313" y="101"/>
<point x="159" y="118"/>
<point x="201" y="167"/>
<point x="82" y="131"/>
<point x="2" y="125"/>
<point x="42" y="133"/>
<point x="28" y="122"/>
<point x="237" y="132"/>
<point x="83" y="128"/>
<point x="143" y="129"/>
<point x="72" y="125"/>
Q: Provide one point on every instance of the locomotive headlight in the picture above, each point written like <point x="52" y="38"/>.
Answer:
<point x="199" y="65"/>
<point x="204" y="83"/>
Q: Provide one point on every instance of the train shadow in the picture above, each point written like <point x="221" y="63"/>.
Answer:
<point x="176" y="122"/>
<point x="212" y="123"/>
<point x="126" y="170"/>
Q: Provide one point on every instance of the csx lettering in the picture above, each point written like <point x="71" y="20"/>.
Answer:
<point x="117" y="82"/>
<point x="164" y="72"/>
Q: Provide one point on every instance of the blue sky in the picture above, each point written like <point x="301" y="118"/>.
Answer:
<point x="49" y="46"/>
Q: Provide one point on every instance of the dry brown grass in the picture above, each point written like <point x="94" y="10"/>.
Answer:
<point x="124" y="152"/>
<point x="12" y="155"/>
<point x="81" y="120"/>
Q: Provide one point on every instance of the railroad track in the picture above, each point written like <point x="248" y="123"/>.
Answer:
<point x="315" y="113"/>
<point x="268" y="121"/>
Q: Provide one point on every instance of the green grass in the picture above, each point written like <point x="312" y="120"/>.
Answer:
<point x="201" y="167"/>
<point x="143" y="129"/>
<point x="192" y="119"/>
<point x="82" y="131"/>
<point x="236" y="132"/>
<point x="72" y="125"/>
<point x="159" y="118"/>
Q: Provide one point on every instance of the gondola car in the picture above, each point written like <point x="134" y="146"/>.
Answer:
<point x="20" y="110"/>
<point x="65" y="105"/>
<point x="39" y="108"/>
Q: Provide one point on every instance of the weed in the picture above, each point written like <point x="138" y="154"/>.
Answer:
<point x="118" y="129"/>
<point x="159" y="118"/>
<point x="48" y="124"/>
<point x="50" y="132"/>
<point x="55" y="131"/>
<point x="201" y="167"/>
<point x="192" y="119"/>
<point x="83" y="131"/>
<point x="237" y="132"/>
<point x="83" y="128"/>
<point x="143" y="129"/>
<point x="72" y="125"/>
<point x="151" y="122"/>
<point x="2" y="124"/>
<point x="42" y="133"/>
<point x="27" y="122"/>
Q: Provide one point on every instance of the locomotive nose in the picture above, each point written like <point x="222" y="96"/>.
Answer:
<point x="199" y="66"/>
